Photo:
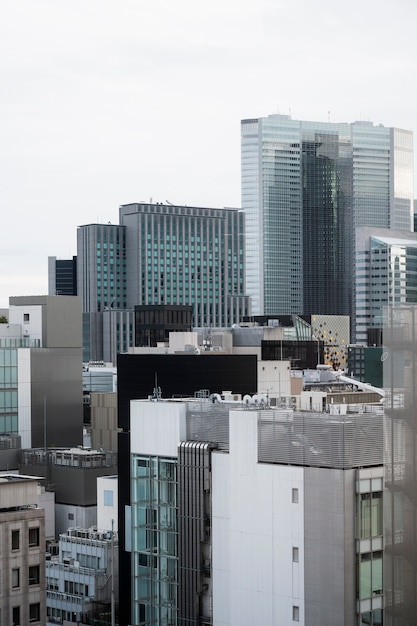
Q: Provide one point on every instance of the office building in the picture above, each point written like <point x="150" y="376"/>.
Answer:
<point x="22" y="553"/>
<point x="81" y="578"/>
<point x="306" y="187"/>
<point x="189" y="256"/>
<point x="248" y="516"/>
<point x="161" y="255"/>
<point x="72" y="474"/>
<point x="62" y="276"/>
<point x="40" y="371"/>
<point x="385" y="275"/>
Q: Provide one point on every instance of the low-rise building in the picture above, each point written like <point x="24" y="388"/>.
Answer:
<point x="22" y="551"/>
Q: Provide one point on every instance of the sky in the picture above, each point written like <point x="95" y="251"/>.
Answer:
<point x="106" y="102"/>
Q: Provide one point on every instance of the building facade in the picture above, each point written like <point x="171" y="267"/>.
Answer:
<point x="162" y="255"/>
<point x="62" y="276"/>
<point x="22" y="553"/>
<point x="189" y="256"/>
<point x="232" y="525"/>
<point x="83" y="578"/>
<point x="40" y="380"/>
<point x="306" y="187"/>
<point x="385" y="275"/>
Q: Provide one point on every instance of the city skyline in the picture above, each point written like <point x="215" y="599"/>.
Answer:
<point x="105" y="104"/>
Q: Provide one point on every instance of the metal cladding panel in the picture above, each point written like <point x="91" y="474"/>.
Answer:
<point x="400" y="466"/>
<point x="329" y="548"/>
<point x="320" y="440"/>
<point x="209" y="422"/>
<point x="194" y="524"/>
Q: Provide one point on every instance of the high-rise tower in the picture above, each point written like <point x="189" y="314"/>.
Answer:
<point x="306" y="186"/>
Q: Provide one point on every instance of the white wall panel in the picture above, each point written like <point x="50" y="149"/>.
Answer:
<point x="157" y="427"/>
<point x="255" y="580"/>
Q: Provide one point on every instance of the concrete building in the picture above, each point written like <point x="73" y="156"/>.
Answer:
<point x="22" y="552"/>
<point x="82" y="580"/>
<point x="40" y="371"/>
<point x="306" y="187"/>
<point x="258" y="516"/>
<point x="72" y="474"/>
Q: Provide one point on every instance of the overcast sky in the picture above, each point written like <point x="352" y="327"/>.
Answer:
<point x="105" y="102"/>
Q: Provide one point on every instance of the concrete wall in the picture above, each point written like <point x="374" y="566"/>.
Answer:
<point x="255" y="526"/>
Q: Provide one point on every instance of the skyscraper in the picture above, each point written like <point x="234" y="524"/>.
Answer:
<point x="186" y="255"/>
<point x="159" y="254"/>
<point x="306" y="186"/>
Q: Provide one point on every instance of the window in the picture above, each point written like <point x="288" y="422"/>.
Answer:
<point x="15" y="578"/>
<point x="25" y="317"/>
<point x="295" y="613"/>
<point x="15" y="539"/>
<point x="295" y="555"/>
<point x="295" y="495"/>
<point x="34" y="575"/>
<point x="70" y="516"/>
<point x="108" y="497"/>
<point x="34" y="612"/>
<point x="16" y="616"/>
<point x="33" y="537"/>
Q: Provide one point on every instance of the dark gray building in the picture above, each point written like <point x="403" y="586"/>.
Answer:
<point x="41" y="351"/>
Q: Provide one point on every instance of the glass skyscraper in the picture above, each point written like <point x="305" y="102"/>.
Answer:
<point x="306" y="186"/>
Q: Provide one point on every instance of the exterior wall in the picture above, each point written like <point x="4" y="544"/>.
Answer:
<point x="329" y="550"/>
<point x="104" y="421"/>
<point x="106" y="504"/>
<point x="72" y="516"/>
<point x="157" y="428"/>
<point x="256" y="525"/>
<point x="22" y="558"/>
<point x="274" y="378"/>
<point x="56" y="396"/>
<point x="28" y="314"/>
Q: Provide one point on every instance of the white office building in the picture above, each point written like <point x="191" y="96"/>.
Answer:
<point x="247" y="516"/>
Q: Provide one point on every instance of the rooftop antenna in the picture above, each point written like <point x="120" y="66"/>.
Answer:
<point x="157" y="394"/>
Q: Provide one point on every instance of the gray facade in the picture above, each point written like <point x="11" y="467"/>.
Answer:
<point x="41" y="362"/>
<point x="186" y="255"/>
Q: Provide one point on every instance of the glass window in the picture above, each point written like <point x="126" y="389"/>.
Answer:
<point x="15" y="539"/>
<point x="369" y="522"/>
<point x="15" y="578"/>
<point x="34" y="575"/>
<point x="33" y="537"/>
<point x="295" y="495"/>
<point x="16" y="616"/>
<point x="34" y="612"/>
<point x="295" y="555"/>
<point x="295" y="613"/>
<point x="108" y="497"/>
